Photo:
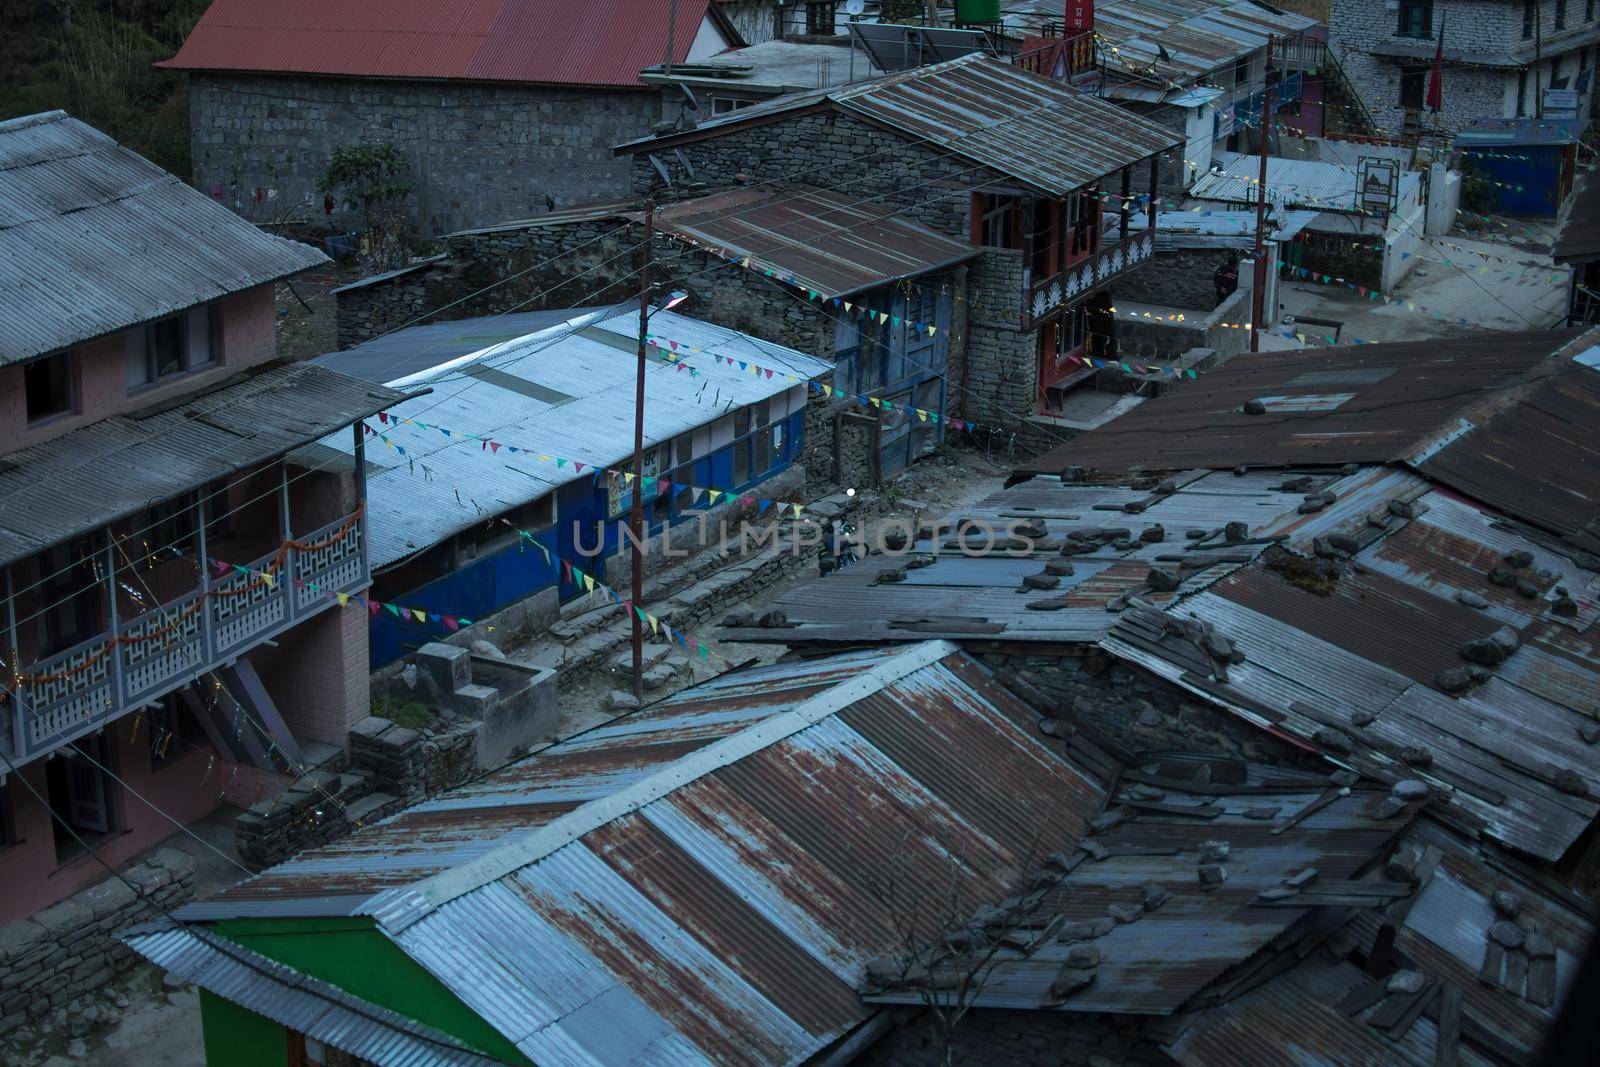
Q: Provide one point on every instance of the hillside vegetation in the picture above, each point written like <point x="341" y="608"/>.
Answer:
<point x="95" y="59"/>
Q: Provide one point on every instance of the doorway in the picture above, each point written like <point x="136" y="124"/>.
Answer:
<point x="81" y="796"/>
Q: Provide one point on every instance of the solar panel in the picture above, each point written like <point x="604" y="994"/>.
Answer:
<point x="893" y="48"/>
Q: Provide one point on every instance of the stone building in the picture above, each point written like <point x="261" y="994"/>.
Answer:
<point x="1025" y="169"/>
<point x="1501" y="57"/>
<point x="882" y="299"/>
<point x="171" y="631"/>
<point x="501" y="112"/>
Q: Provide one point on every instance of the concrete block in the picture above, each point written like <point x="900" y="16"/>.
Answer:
<point x="476" y="701"/>
<point x="19" y="938"/>
<point x="449" y="667"/>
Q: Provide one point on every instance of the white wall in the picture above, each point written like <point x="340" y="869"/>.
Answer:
<point x="1444" y="198"/>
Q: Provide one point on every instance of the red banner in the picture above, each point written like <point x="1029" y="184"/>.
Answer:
<point x="1079" y="17"/>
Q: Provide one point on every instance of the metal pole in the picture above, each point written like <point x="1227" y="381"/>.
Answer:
<point x="636" y="512"/>
<point x="1259" y="288"/>
<point x="672" y="24"/>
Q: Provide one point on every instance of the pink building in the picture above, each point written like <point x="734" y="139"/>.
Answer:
<point x="171" y="553"/>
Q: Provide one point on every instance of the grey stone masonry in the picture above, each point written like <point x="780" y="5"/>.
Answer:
<point x="316" y="808"/>
<point x="481" y="153"/>
<point x="69" y="949"/>
<point x="1022" y="1038"/>
<point x="1177" y="278"/>
<point x="409" y="763"/>
<point x="1485" y="53"/>
<point x="1002" y="359"/>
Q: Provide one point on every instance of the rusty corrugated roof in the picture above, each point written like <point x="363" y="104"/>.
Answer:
<point x="1538" y="460"/>
<point x="824" y="242"/>
<point x="597" y="43"/>
<point x="1352" y="404"/>
<point x="704" y="881"/>
<point x="1031" y="129"/>
<point x="1578" y="236"/>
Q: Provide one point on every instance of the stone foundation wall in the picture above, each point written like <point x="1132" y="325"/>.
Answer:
<point x="69" y="949"/>
<point x="1002" y="359"/>
<point x="1178" y="278"/>
<point x="1340" y="255"/>
<point x="411" y="764"/>
<point x="1021" y="1038"/>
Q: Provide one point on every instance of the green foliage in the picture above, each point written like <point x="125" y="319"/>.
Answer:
<point x="369" y="175"/>
<point x="410" y="713"/>
<point x="1478" y="194"/>
<point x="96" y="60"/>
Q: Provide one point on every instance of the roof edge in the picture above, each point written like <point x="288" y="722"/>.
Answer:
<point x="397" y="909"/>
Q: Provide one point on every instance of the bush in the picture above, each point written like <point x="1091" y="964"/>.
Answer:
<point x="410" y="713"/>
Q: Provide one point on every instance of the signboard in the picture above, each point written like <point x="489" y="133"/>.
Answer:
<point x="1561" y="103"/>
<point x="1377" y="184"/>
<point x="1079" y="17"/>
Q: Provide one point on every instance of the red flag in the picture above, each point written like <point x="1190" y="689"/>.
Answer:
<point x="1436" y="75"/>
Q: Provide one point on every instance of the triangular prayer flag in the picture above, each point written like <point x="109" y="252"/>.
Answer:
<point x="394" y="610"/>
<point x="705" y="653"/>
<point x="450" y="622"/>
<point x="343" y="598"/>
<point x="374" y="607"/>
<point x="654" y="625"/>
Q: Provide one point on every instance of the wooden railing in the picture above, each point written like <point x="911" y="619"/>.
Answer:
<point x="1043" y="298"/>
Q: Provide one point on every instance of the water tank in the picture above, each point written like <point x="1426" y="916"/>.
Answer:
<point x="977" y="12"/>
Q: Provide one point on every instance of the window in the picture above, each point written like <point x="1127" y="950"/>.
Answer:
<point x="48" y="385"/>
<point x="998" y="221"/>
<point x="170" y="525"/>
<point x="173" y="729"/>
<point x="1561" y="14"/>
<point x="761" y="443"/>
<point x="1413" y="87"/>
<point x="1529" y="11"/>
<point x="70" y="586"/>
<point x="171" y="346"/>
<point x="1416" y="18"/>
<point x="722" y="105"/>
<point x="820" y="19"/>
<point x="1522" y="93"/>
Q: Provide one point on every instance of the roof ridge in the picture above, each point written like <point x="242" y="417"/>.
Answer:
<point x="397" y="909"/>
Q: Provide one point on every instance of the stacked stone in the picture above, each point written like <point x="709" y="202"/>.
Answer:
<point x="317" y="808"/>
<point x="409" y="764"/>
<point x="69" y="949"/>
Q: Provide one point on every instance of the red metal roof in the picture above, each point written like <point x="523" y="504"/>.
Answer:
<point x="605" y="42"/>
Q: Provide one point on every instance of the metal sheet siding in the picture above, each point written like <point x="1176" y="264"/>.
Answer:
<point x="94" y="239"/>
<point x="605" y="44"/>
<point x="121" y="465"/>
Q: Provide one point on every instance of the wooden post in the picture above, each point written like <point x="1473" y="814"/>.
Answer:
<point x="1259" y="289"/>
<point x="636" y="512"/>
<point x="361" y="494"/>
<point x="19" y="707"/>
<point x="112" y="622"/>
<point x="205" y="575"/>
<point x="1155" y="181"/>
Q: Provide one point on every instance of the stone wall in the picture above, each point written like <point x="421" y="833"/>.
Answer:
<point x="480" y="153"/>
<point x="1341" y="256"/>
<point x="840" y="152"/>
<point x="415" y="763"/>
<point x="69" y="949"/>
<point x="1021" y="1038"/>
<point x="1002" y="359"/>
<point x="1176" y="278"/>
<point x="1140" y="339"/>
<point x="1134" y="708"/>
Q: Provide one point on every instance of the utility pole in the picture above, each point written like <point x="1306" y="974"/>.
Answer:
<point x="636" y="512"/>
<point x="672" y="25"/>
<point x="1258" y="290"/>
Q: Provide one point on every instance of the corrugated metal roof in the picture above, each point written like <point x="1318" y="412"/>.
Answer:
<point x="979" y="596"/>
<point x="718" y="878"/>
<point x="1578" y="236"/>
<point x="602" y="43"/>
<point x="1301" y="183"/>
<point x="1158" y="963"/>
<point x="1551" y="430"/>
<point x="1198" y="36"/>
<point x="824" y="242"/>
<point x="1031" y="129"/>
<point x="1216" y="229"/>
<point x="417" y="348"/>
<point x="121" y="465"/>
<point x="312" y="1007"/>
<point x="1403" y="399"/>
<point x="1370" y="653"/>
<point x="442" y="486"/>
<point x="95" y="238"/>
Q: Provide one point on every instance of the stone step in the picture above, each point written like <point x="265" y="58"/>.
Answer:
<point x="319" y="755"/>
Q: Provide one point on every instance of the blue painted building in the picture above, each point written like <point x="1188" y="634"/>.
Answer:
<point x="1530" y="164"/>
<point x="517" y="443"/>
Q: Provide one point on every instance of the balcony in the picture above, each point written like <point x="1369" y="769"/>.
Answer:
<point x="1047" y="297"/>
<point x="79" y="690"/>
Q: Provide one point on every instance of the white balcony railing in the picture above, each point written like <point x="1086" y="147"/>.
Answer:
<point x="81" y="689"/>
